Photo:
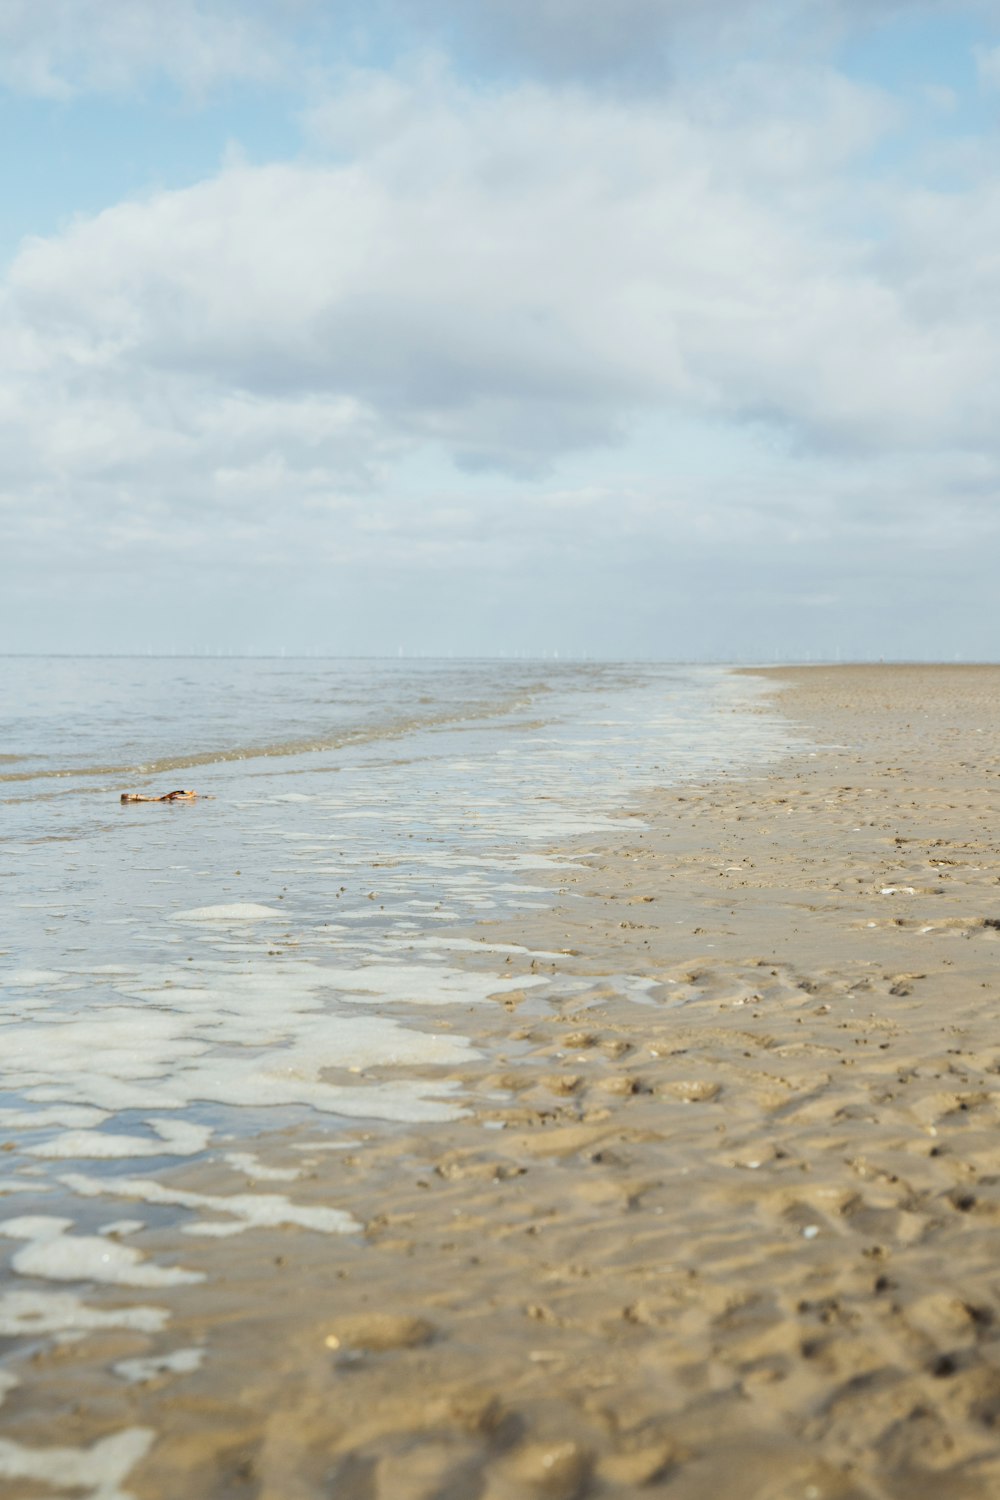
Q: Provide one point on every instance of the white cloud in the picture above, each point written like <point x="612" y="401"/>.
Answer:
<point x="514" y="275"/>
<point x="58" y="48"/>
<point x="253" y="369"/>
<point x="597" y="39"/>
<point x="62" y="48"/>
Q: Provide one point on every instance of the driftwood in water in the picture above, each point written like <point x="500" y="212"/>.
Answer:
<point x="180" y="796"/>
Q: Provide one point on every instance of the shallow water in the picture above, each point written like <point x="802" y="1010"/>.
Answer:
<point x="176" y="978"/>
<point x="235" y="952"/>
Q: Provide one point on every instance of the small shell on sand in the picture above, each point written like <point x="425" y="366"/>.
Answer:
<point x="377" y="1331"/>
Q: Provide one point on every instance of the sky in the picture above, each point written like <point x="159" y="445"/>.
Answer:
<point x="617" y="328"/>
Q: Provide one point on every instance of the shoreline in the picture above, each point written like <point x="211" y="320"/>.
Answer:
<point x="729" y="1237"/>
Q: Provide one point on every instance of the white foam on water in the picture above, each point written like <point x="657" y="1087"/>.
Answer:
<point x="426" y="984"/>
<point x="158" y="1044"/>
<point x="53" y="1254"/>
<point x="239" y="911"/>
<point x="553" y="833"/>
<point x="245" y="1210"/>
<point x="16" y="1185"/>
<point x="444" y="944"/>
<point x="99" y="1471"/>
<point x="71" y="1115"/>
<point x="180" y="1362"/>
<point x="173" y="1138"/>
<point x="246" y="1162"/>
<point x="8" y="1382"/>
<point x="25" y="1314"/>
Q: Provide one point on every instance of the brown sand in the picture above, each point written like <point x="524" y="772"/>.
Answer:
<point x="738" y="1242"/>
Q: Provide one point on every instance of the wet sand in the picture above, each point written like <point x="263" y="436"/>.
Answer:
<point x="733" y="1236"/>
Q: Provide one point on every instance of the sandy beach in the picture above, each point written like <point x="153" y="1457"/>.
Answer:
<point x="731" y="1233"/>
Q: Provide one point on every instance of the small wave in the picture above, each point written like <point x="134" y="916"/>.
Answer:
<point x="305" y="745"/>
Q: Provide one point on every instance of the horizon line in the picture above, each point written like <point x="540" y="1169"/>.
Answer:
<point x="548" y="658"/>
